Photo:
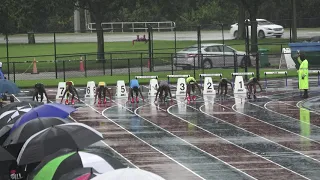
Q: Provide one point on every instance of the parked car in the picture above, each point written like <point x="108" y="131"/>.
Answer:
<point x="212" y="55"/>
<point x="265" y="29"/>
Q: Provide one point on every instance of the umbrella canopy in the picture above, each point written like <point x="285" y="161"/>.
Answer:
<point x="128" y="174"/>
<point x="72" y="136"/>
<point x="4" y="133"/>
<point x="7" y="86"/>
<point x="10" y="113"/>
<point x="46" y="110"/>
<point x="26" y="130"/>
<point x="73" y="162"/>
<point x="5" y="155"/>
<point x="80" y="174"/>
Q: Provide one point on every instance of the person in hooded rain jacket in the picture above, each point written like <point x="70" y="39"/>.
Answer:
<point x="303" y="74"/>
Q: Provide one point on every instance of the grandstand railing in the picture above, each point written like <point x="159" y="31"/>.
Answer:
<point x="133" y="26"/>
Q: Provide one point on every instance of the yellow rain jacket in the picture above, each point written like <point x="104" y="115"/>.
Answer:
<point x="190" y="79"/>
<point x="303" y="72"/>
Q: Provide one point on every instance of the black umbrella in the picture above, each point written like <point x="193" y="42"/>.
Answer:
<point x="72" y="136"/>
<point x="26" y="130"/>
<point x="4" y="133"/>
<point x="9" y="114"/>
<point x="5" y="155"/>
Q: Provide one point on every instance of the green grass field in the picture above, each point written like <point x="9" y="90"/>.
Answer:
<point x="117" y="52"/>
<point x="111" y="80"/>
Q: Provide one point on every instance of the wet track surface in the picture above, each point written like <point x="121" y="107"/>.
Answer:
<point x="273" y="137"/>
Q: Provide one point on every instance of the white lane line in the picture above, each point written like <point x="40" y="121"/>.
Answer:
<point x="103" y="114"/>
<point x="233" y="108"/>
<point x="230" y="141"/>
<point x="168" y="110"/>
<point x="189" y="142"/>
<point x="270" y="140"/>
<point x="295" y="119"/>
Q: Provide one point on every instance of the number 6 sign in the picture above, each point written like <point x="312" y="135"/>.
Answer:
<point x="90" y="90"/>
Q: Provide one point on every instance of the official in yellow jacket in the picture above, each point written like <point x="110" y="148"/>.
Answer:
<point x="303" y="74"/>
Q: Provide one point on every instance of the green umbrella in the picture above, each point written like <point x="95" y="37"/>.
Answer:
<point x="58" y="164"/>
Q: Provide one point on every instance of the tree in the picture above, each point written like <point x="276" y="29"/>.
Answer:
<point x="252" y="6"/>
<point x="101" y="10"/>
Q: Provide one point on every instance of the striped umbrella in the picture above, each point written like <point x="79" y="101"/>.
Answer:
<point x="55" y="168"/>
<point x="128" y="174"/>
<point x="80" y="174"/>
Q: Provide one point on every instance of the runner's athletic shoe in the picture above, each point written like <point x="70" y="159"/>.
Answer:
<point x="193" y="97"/>
<point x="188" y="99"/>
<point x="105" y="101"/>
<point x="99" y="101"/>
<point x="66" y="102"/>
<point x="132" y="100"/>
<point x="72" y="101"/>
<point x="137" y="99"/>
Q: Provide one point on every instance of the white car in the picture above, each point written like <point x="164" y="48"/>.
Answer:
<point x="265" y="29"/>
<point x="212" y="55"/>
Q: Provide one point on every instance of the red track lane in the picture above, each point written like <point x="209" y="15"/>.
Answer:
<point x="270" y="132"/>
<point x="248" y="162"/>
<point x="290" y="109"/>
<point x="132" y="148"/>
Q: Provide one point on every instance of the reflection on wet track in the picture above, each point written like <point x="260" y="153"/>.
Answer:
<point x="273" y="137"/>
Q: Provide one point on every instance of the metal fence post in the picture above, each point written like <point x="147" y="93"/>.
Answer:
<point x="64" y="70"/>
<point x="199" y="44"/>
<point x="129" y="69"/>
<point x="55" y="54"/>
<point x="141" y="64"/>
<point x="14" y="71"/>
<point x="85" y="65"/>
<point x="194" y="66"/>
<point x="258" y="66"/>
<point x="7" y="46"/>
<point x="150" y="47"/>
<point x="104" y="66"/>
<point x="235" y="62"/>
<point x="111" y="65"/>
<point x="175" y="43"/>
<point x="247" y="48"/>
<point x="171" y="65"/>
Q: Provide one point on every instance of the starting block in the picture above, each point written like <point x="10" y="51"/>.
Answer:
<point x="90" y="90"/>
<point x="208" y="83"/>
<point x="275" y="73"/>
<point x="239" y="86"/>
<point x="182" y="104"/>
<point x="240" y="100"/>
<point x="153" y="84"/>
<point x="121" y="91"/>
<point x="315" y="72"/>
<point x="181" y="84"/>
<point x="61" y="87"/>
<point x="208" y="102"/>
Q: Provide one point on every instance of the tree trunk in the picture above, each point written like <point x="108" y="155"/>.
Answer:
<point x="294" y="21"/>
<point x="100" y="38"/>
<point x="241" y="19"/>
<point x="254" y="36"/>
